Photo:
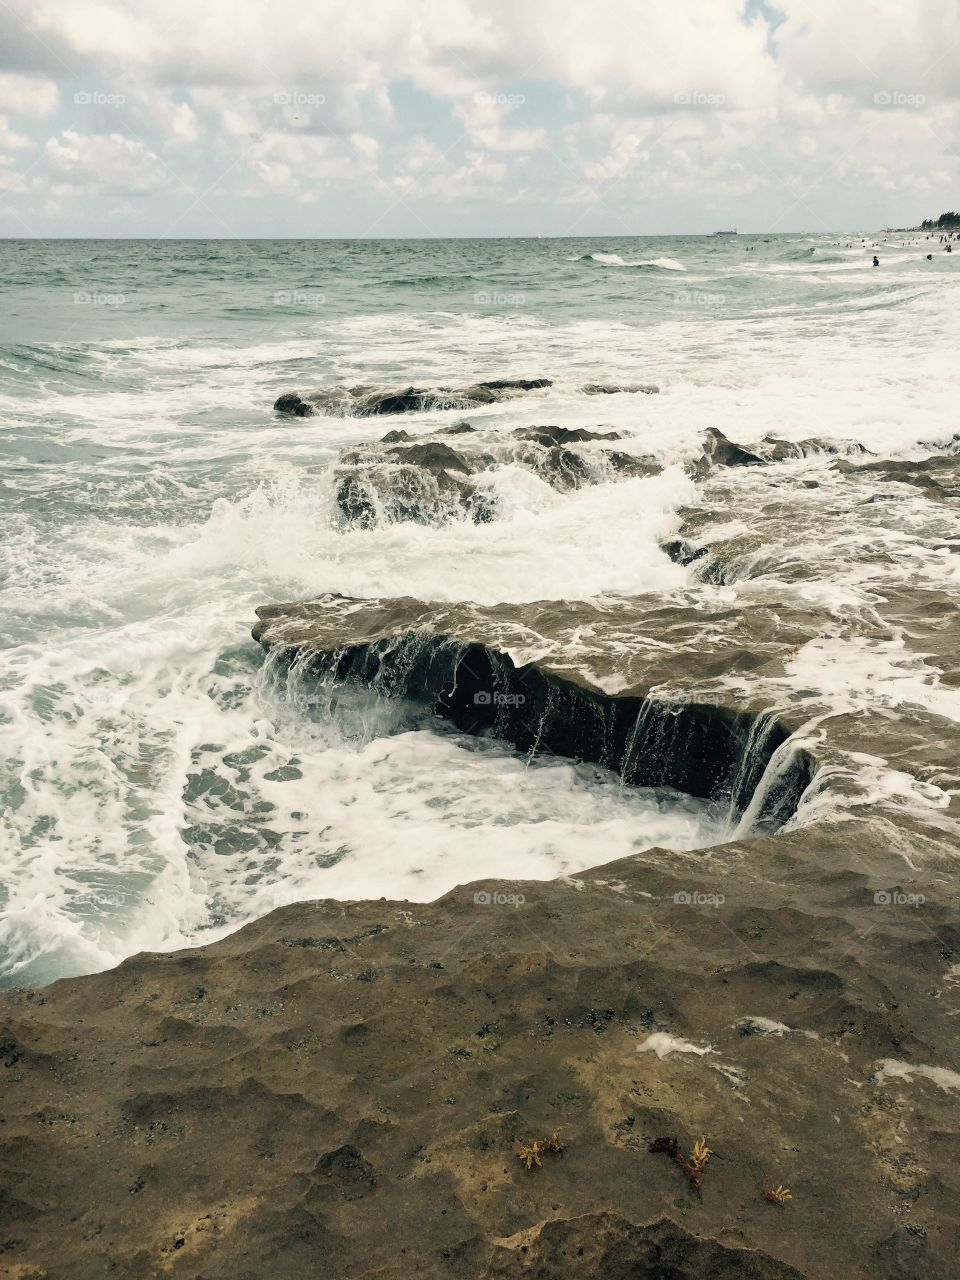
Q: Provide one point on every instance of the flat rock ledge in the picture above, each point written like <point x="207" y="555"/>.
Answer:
<point x="341" y="1089"/>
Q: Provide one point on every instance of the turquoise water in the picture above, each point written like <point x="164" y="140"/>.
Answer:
<point x="151" y="793"/>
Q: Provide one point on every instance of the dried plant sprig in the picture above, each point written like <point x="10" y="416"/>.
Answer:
<point x="693" y="1167"/>
<point x="775" y="1195"/>
<point x="530" y="1154"/>
<point x="534" y="1148"/>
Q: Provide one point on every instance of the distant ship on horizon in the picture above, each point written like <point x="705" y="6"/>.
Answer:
<point x="726" y="233"/>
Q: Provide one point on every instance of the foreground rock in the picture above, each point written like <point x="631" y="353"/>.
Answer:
<point x="937" y="476"/>
<point x="718" y="451"/>
<point x="774" y="450"/>
<point x="340" y="1089"/>
<point x="367" y="401"/>
<point x="426" y="478"/>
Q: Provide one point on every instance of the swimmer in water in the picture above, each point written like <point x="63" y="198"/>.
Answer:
<point x="876" y="262"/>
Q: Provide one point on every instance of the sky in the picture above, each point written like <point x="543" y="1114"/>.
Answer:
<point x="263" y="118"/>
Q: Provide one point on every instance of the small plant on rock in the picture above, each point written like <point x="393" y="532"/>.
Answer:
<point x="535" y="1147"/>
<point x="693" y="1167"/>
<point x="531" y="1153"/>
<point x="775" y="1195"/>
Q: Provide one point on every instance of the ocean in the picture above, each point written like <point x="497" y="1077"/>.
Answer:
<point x="161" y="784"/>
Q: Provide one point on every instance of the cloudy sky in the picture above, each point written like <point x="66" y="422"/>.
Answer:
<point x="474" y="117"/>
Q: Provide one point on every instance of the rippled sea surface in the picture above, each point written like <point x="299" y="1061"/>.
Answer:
<point x="155" y="791"/>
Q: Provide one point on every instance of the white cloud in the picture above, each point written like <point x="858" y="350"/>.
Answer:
<point x="608" y="106"/>
<point x="10" y="179"/>
<point x="106" y="163"/>
<point x="10" y="138"/>
<point x="485" y="117"/>
<point x="30" y="96"/>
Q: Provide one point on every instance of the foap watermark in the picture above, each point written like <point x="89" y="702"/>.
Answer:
<point x="94" y="98"/>
<point x="693" y="898"/>
<point x="102" y="496"/>
<point x="299" y="700"/>
<point x="895" y="898"/>
<point x="673" y="701"/>
<point x="99" y="898"/>
<point x="492" y="698"/>
<point x="494" y="898"/>
<point x="295" y="98"/>
<point x="698" y="298"/>
<point x="484" y="299"/>
<point x="299" y="298"/>
<point x="83" y="298"/>
<point x="484" y="99"/>
<point x="105" y="699"/>
<point x="694" y="98"/>
<point x="897" y="98"/>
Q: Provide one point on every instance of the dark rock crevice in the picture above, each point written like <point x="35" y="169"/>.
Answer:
<point x="705" y="750"/>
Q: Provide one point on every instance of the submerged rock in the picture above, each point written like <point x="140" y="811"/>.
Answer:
<point x="718" y="451"/>
<point x="293" y="405"/>
<point x="938" y="476"/>
<point x="682" y="552"/>
<point x="614" y="388"/>
<point x="367" y="401"/>
<point x="775" y="450"/>
<point x="424" y="478"/>
<point x="563" y="435"/>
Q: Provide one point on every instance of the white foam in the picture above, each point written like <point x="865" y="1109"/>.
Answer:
<point x="895" y="1069"/>
<point x="662" y="1043"/>
<point x="615" y="260"/>
<point x="754" y="1024"/>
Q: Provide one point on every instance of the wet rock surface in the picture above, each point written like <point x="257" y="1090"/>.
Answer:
<point x="369" y="401"/>
<point x="718" y="451"/>
<point x="341" y="1088"/>
<point x="702" y="748"/>
<point x="937" y="476"/>
<point x="350" y="1082"/>
<point x="681" y="665"/>
<point x="616" y="388"/>
<point x="426" y="478"/>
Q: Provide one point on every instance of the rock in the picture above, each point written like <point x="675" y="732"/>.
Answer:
<point x="293" y="405"/>
<point x="681" y="552"/>
<point x="432" y="456"/>
<point x="367" y="401"/>
<point x="773" y="450"/>
<point x="937" y="476"/>
<point x="609" y="1246"/>
<point x="720" y="452"/>
<point x="563" y="435"/>
<point x="410" y="400"/>
<point x="341" y="1088"/>
<point x="516" y="384"/>
<point x="425" y="479"/>
<point x="611" y="388"/>
<point x="696" y="747"/>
